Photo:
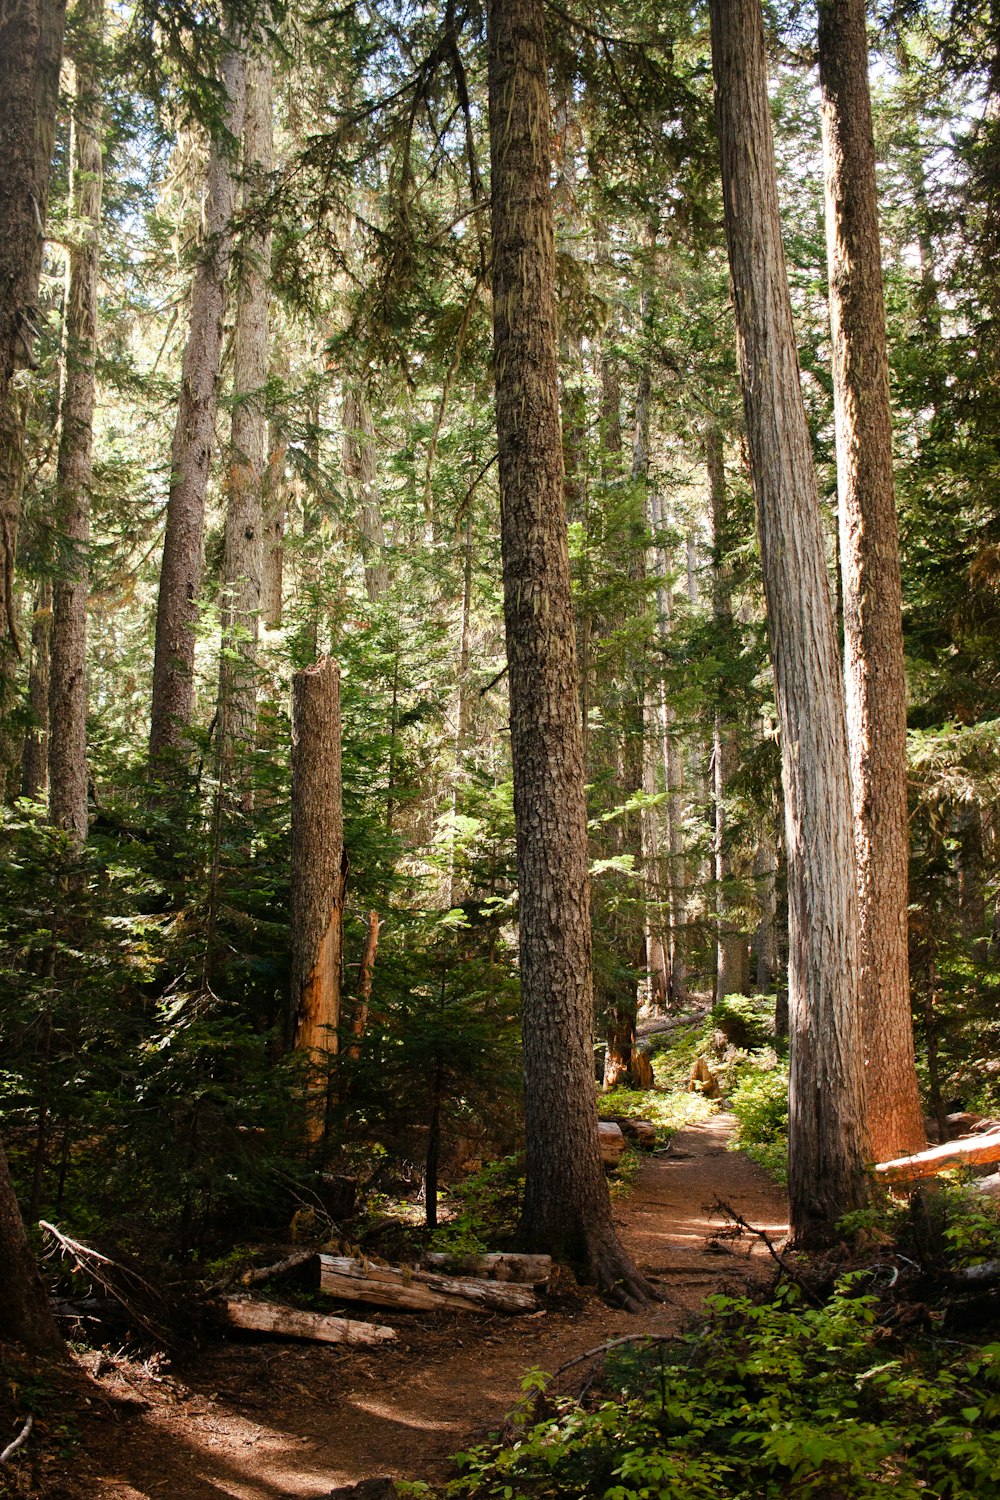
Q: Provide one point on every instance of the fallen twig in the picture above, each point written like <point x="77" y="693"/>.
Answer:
<point x="109" y="1274"/>
<point x="19" y="1441"/>
<point x="719" y="1207"/>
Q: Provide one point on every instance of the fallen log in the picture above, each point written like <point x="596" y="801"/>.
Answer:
<point x="526" y="1270"/>
<point x="294" y="1262"/>
<point x="295" y="1323"/>
<point x="642" y="1133"/>
<point x="612" y="1142"/>
<point x="969" y="1152"/>
<point x="419" y="1291"/>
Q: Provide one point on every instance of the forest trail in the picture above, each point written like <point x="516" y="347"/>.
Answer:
<point x="268" y="1421"/>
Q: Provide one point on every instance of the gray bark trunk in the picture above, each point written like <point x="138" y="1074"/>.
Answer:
<point x="869" y="553"/>
<point x="35" y="762"/>
<point x="31" y="34"/>
<point x="359" y="471"/>
<point x="828" y="1142"/>
<point x="68" y="684"/>
<point x="275" y="514"/>
<point x="194" y="436"/>
<point x="765" y="871"/>
<point x="243" y="551"/>
<point x="732" y="956"/>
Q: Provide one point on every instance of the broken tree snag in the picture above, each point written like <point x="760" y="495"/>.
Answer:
<point x="295" y="1323"/>
<point x="973" y="1151"/>
<point x="360" y="1018"/>
<point x="527" y="1270"/>
<point x="318" y="876"/>
<point x="418" y="1291"/>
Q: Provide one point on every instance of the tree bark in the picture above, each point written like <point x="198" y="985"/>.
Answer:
<point x="317" y="897"/>
<point x="275" y="512"/>
<point x="31" y="35"/>
<point x="869" y="552"/>
<point x="35" y="760"/>
<point x="732" y="956"/>
<point x="194" y="435"/>
<point x="566" y="1205"/>
<point x="68" y="682"/>
<point x="827" y="1139"/>
<point x="25" y="1314"/>
<point x="359" y="1020"/>
<point x="359" y="471"/>
<point x="243" y="550"/>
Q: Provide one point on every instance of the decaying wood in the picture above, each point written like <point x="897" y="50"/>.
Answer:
<point x="420" y="1291"/>
<point x="19" y="1441"/>
<point x="283" y="1267"/>
<point x="972" y="1151"/>
<point x="641" y="1133"/>
<point x="360" y="1018"/>
<point x="612" y="1142"/>
<point x="529" y="1270"/>
<point x="293" y="1322"/>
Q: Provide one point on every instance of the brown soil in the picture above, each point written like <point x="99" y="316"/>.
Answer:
<point x="259" y="1421"/>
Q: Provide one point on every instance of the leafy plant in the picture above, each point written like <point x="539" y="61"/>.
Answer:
<point x="764" y="1400"/>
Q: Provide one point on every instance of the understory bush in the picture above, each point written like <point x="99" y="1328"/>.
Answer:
<point x="764" y="1401"/>
<point x="668" y="1109"/>
<point x="747" y="1021"/>
<point x="759" y="1100"/>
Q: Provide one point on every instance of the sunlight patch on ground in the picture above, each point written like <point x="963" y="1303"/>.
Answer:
<point x="387" y="1412"/>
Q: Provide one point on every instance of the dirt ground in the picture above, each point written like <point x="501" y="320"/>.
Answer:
<point x="264" y="1421"/>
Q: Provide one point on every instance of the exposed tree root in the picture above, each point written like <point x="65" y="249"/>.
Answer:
<point x="616" y="1275"/>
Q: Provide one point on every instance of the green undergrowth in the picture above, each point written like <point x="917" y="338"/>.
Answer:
<point x="837" y="1387"/>
<point x="759" y="1100"/>
<point x="762" y="1401"/>
<point x="669" y="1110"/>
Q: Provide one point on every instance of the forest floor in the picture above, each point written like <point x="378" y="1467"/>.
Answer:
<point x="264" y="1421"/>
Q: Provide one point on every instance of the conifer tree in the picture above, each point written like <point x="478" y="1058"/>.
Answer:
<point x="827" y="1141"/>
<point x="566" y="1204"/>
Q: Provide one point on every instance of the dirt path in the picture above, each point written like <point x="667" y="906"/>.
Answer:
<point x="259" y="1422"/>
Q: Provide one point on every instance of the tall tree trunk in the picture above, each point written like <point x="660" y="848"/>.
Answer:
<point x="275" y="514"/>
<point x="68" y="684"/>
<point x="765" y="869"/>
<point x="31" y="34"/>
<point x="194" y="435"/>
<point x="35" y="761"/>
<point x="827" y="1140"/>
<point x="732" y="957"/>
<point x="869" y="553"/>
<point x="317" y="900"/>
<point x="243" y="551"/>
<point x="359" y="471"/>
<point x="25" y="1313"/>
<point x="673" y="781"/>
<point x="566" y="1204"/>
<point x="657" y="945"/>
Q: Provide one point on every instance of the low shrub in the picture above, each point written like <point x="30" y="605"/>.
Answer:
<point x="764" y="1400"/>
<point x="746" y="1021"/>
